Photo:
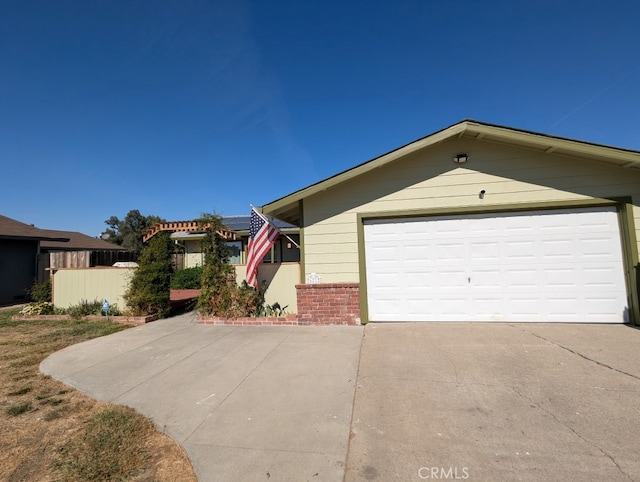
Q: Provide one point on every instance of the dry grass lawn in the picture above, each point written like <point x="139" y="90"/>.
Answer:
<point x="49" y="431"/>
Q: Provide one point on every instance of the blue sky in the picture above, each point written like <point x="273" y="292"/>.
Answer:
<point x="176" y="108"/>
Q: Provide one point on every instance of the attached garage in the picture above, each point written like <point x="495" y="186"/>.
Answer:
<point x="475" y="222"/>
<point x="531" y="266"/>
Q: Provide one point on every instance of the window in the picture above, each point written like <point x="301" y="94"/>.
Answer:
<point x="235" y="252"/>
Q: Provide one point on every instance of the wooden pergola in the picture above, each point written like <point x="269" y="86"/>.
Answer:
<point x="185" y="226"/>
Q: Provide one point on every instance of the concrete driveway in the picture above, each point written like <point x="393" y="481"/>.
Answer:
<point x="246" y="403"/>
<point x="497" y="402"/>
<point x="433" y="401"/>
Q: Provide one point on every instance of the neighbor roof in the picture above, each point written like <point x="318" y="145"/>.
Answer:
<point x="287" y="207"/>
<point x="12" y="229"/>
<point x="78" y="241"/>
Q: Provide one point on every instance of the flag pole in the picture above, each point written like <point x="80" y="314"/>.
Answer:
<point x="266" y="220"/>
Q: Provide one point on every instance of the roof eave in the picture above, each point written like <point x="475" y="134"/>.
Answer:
<point x="31" y="238"/>
<point x="286" y="208"/>
<point x="553" y="144"/>
<point x="292" y="199"/>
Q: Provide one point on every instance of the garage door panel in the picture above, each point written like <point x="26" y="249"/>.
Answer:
<point x="484" y="251"/>
<point x="486" y="279"/>
<point x="447" y="251"/>
<point x="522" y="277"/>
<point x="386" y="254"/>
<point x="601" y="278"/>
<point x="561" y="278"/>
<point x="488" y="306"/>
<point x="417" y="254"/>
<point x="418" y="282"/>
<point x="518" y="250"/>
<point x="598" y="249"/>
<point x="450" y="279"/>
<point x="563" y="265"/>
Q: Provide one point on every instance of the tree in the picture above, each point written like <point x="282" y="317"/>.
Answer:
<point x="150" y="286"/>
<point x="220" y="294"/>
<point x="128" y="232"/>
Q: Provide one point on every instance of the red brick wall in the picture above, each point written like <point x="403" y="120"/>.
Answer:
<point x="289" y="320"/>
<point x="328" y="304"/>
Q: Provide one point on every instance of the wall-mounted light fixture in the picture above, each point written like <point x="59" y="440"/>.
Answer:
<point x="460" y="158"/>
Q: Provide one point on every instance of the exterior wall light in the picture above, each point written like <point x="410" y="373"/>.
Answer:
<point x="460" y="158"/>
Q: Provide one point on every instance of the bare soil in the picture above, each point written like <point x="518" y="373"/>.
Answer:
<point x="39" y="416"/>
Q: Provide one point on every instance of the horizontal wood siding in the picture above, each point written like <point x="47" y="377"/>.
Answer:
<point x="429" y="180"/>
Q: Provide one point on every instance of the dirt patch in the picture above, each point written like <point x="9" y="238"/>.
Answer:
<point x="39" y="416"/>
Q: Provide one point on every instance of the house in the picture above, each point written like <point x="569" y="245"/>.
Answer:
<point x="475" y="222"/>
<point x="78" y="251"/>
<point x="279" y="271"/>
<point x="19" y="248"/>
<point x="189" y="235"/>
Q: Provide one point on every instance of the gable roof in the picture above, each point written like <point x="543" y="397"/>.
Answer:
<point x="287" y="207"/>
<point x="12" y="229"/>
<point x="77" y="242"/>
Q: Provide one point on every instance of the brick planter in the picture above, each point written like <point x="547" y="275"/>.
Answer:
<point x="288" y="320"/>
<point x="318" y="304"/>
<point x="329" y="304"/>
<point x="126" y="320"/>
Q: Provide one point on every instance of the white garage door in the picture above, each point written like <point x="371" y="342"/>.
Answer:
<point x="540" y="266"/>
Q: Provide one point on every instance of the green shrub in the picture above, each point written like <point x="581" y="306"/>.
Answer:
<point x="220" y="295"/>
<point x="40" y="291"/>
<point x="82" y="309"/>
<point x="272" y="310"/>
<point x="187" y="279"/>
<point x="85" y="308"/>
<point x="40" y="308"/>
<point x="150" y="286"/>
<point x="112" y="311"/>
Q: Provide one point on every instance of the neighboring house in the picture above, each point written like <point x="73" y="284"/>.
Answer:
<point x="79" y="251"/>
<point x="189" y="235"/>
<point x="475" y="222"/>
<point x="19" y="248"/>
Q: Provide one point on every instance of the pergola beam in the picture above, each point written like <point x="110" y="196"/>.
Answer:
<point x="185" y="226"/>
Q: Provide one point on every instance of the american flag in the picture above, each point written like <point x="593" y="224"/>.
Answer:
<point x="262" y="235"/>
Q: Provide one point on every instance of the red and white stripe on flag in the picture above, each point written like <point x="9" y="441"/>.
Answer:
<point x="262" y="235"/>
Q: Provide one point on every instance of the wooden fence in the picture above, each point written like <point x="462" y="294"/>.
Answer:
<point x="79" y="259"/>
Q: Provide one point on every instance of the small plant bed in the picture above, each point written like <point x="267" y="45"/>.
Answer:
<point x="49" y="431"/>
<point x="122" y="319"/>
<point x="85" y="310"/>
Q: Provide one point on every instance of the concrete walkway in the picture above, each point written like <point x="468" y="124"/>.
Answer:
<point x="246" y="403"/>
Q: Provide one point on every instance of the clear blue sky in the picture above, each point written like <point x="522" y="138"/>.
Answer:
<point x="176" y="108"/>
